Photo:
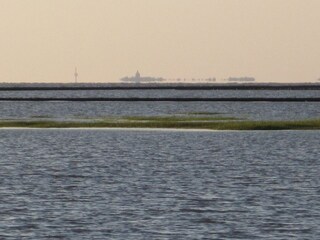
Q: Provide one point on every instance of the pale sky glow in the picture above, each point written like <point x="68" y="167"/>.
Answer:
<point x="272" y="40"/>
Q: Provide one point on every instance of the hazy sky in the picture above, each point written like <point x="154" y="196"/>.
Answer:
<point x="272" y="40"/>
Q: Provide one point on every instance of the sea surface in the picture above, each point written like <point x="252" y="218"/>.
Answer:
<point x="164" y="93"/>
<point x="134" y="184"/>
<point x="147" y="184"/>
<point x="78" y="110"/>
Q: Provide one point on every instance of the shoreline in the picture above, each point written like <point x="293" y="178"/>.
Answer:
<point x="119" y="129"/>
<point x="159" y="99"/>
<point x="151" y="129"/>
<point x="159" y="86"/>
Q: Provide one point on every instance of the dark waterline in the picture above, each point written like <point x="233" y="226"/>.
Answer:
<point x="168" y="93"/>
<point x="155" y="86"/>
<point x="162" y="99"/>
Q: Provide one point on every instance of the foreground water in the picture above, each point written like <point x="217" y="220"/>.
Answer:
<point x="103" y="184"/>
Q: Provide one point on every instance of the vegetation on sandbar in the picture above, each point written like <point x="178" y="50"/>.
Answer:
<point x="177" y="118"/>
<point x="210" y="123"/>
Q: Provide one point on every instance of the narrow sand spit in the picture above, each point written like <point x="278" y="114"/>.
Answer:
<point x="123" y="129"/>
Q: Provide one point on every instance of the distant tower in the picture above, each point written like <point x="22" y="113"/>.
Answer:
<point x="137" y="74"/>
<point x="76" y="75"/>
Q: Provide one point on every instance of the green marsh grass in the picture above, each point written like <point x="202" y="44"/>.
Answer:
<point x="169" y="122"/>
<point x="177" y="118"/>
<point x="203" y="113"/>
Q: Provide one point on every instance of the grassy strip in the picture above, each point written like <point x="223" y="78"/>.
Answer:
<point x="203" y="113"/>
<point x="41" y="116"/>
<point x="177" y="118"/>
<point x="227" y="125"/>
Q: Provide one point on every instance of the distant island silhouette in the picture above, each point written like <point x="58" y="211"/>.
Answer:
<point x="241" y="79"/>
<point x="139" y="79"/>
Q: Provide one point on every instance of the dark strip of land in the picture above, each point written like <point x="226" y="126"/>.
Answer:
<point x="253" y="99"/>
<point x="83" y="87"/>
<point x="173" y="123"/>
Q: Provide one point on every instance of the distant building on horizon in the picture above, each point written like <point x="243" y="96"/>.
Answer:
<point x="241" y="79"/>
<point x="138" y="79"/>
<point x="76" y="75"/>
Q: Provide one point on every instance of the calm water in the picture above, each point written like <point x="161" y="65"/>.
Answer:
<point x="165" y="93"/>
<point x="76" y="110"/>
<point x="103" y="184"/>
